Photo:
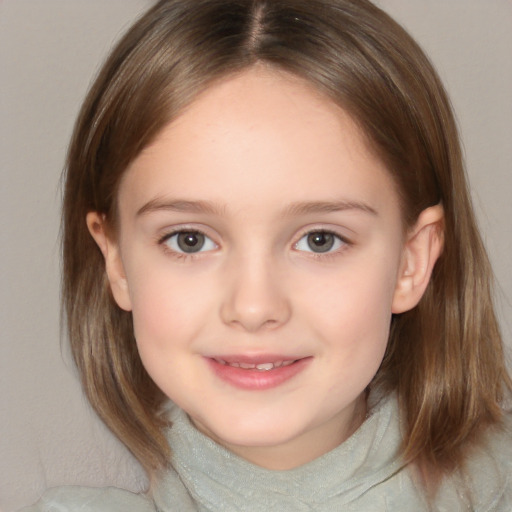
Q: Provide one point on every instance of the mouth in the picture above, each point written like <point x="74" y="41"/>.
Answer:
<point x="257" y="373"/>
<point x="262" y="367"/>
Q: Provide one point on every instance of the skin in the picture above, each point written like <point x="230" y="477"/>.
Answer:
<point x="255" y="163"/>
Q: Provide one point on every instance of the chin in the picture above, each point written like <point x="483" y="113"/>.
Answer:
<point x="250" y="431"/>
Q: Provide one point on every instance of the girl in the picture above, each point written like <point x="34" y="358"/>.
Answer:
<point x="267" y="225"/>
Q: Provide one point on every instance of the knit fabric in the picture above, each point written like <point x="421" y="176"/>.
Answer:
<point x="363" y="474"/>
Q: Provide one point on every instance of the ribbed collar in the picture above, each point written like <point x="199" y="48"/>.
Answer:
<point x="219" y="480"/>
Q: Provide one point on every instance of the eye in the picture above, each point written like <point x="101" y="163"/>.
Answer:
<point x="189" y="242"/>
<point x="319" y="242"/>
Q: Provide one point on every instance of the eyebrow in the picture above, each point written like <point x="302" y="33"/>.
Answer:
<point x="180" y="205"/>
<point x="308" y="207"/>
<point x="295" y="209"/>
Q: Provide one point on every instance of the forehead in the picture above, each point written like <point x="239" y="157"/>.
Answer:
<point x="261" y="132"/>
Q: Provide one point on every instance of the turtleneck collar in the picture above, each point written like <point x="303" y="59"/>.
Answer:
<point x="217" y="479"/>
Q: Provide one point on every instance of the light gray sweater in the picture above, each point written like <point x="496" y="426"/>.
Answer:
<point x="364" y="474"/>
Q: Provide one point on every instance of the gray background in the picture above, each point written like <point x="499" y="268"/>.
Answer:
<point x="49" y="51"/>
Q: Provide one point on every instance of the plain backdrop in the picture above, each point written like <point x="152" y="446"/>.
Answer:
<point x="49" y="52"/>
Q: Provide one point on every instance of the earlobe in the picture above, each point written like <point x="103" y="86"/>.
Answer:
<point x="423" y="247"/>
<point x="113" y="263"/>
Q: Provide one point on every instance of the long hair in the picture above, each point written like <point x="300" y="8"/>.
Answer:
<point x="444" y="358"/>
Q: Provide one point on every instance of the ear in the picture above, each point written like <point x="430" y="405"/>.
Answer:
<point x="113" y="263"/>
<point x="422" y="248"/>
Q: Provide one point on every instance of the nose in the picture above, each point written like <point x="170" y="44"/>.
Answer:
<point x="254" y="296"/>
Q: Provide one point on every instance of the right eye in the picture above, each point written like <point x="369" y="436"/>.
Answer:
<point x="189" y="242"/>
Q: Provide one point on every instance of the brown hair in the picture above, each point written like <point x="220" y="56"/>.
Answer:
<point x="445" y="357"/>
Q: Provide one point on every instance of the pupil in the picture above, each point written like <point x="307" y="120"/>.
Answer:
<point x="190" y="242"/>
<point x="320" y="241"/>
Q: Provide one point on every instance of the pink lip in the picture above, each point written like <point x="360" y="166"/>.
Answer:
<point x="255" y="379"/>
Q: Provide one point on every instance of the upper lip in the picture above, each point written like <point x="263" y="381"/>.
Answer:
<point x="256" y="358"/>
<point x="257" y="361"/>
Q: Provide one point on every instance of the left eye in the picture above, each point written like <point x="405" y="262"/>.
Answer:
<point x="319" y="242"/>
<point x="190" y="242"/>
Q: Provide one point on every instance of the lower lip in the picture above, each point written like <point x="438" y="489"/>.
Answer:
<point x="257" y="380"/>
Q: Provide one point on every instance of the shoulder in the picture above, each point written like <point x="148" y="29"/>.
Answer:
<point x="489" y="471"/>
<point x="84" y="499"/>
<point x="500" y="452"/>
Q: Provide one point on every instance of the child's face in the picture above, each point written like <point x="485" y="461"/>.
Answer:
<point x="258" y="228"/>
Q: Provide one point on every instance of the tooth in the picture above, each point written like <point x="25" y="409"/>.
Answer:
<point x="252" y="366"/>
<point x="265" y="366"/>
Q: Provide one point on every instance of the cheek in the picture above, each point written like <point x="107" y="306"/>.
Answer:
<point x="356" y="299"/>
<point x="170" y="312"/>
<point x="357" y="341"/>
<point x="351" y="313"/>
<point x="169" y="306"/>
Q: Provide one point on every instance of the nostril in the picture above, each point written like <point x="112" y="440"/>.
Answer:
<point x="253" y="319"/>
<point x="252" y="299"/>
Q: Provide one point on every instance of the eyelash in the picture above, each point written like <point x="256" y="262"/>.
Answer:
<point x="163" y="241"/>
<point x="346" y="243"/>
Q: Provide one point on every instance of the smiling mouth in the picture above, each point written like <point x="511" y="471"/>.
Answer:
<point x="262" y="367"/>
<point x="257" y="372"/>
